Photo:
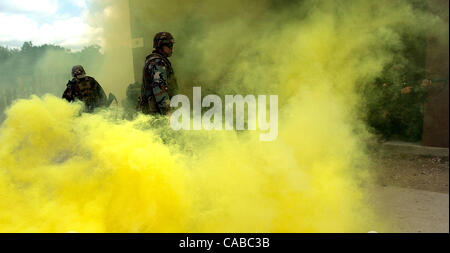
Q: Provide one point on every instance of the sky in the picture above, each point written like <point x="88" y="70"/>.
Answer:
<point x="59" y="22"/>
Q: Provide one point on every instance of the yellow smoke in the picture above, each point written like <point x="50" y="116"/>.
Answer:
<point x="61" y="172"/>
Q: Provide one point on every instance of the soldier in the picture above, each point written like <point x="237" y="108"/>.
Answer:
<point x="132" y="95"/>
<point x="130" y="103"/>
<point x="86" y="89"/>
<point x="159" y="83"/>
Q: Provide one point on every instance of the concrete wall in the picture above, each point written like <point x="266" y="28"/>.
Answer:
<point x="141" y="36"/>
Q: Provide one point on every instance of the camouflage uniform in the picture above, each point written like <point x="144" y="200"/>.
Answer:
<point x="86" y="89"/>
<point x="159" y="82"/>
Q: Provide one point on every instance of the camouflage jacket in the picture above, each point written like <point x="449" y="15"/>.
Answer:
<point x="159" y="85"/>
<point x="86" y="89"/>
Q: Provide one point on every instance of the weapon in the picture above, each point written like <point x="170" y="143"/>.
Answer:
<point x="70" y="93"/>
<point x="111" y="98"/>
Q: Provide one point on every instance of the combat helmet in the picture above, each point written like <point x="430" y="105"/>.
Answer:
<point x="163" y="38"/>
<point x="78" y="72"/>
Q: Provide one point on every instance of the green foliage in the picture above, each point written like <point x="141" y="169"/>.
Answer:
<point x="391" y="113"/>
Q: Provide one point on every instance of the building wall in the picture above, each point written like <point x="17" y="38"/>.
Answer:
<point x="436" y="112"/>
<point x="141" y="35"/>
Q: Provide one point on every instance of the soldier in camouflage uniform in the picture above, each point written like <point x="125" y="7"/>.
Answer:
<point x="132" y="95"/>
<point x="130" y="103"/>
<point x="86" y="89"/>
<point x="159" y="83"/>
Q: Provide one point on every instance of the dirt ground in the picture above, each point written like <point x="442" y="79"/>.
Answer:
<point x="428" y="173"/>
<point x="407" y="210"/>
<point x="410" y="193"/>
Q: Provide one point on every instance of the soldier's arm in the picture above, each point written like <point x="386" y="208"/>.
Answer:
<point x="159" y="72"/>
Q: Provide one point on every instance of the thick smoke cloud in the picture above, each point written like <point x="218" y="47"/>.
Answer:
<point x="97" y="173"/>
